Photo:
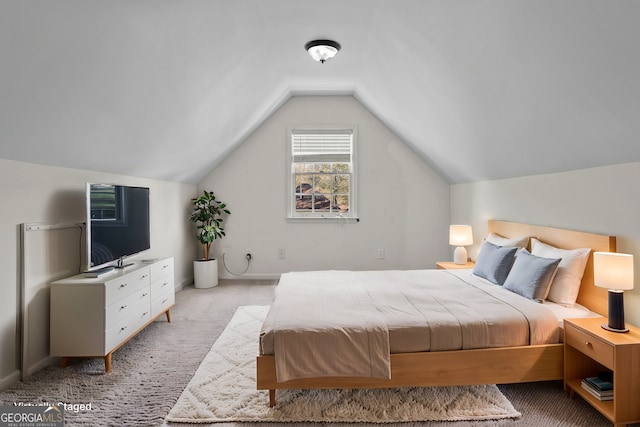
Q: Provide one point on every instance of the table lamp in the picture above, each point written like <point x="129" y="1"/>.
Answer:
<point x="614" y="271"/>
<point x="460" y="236"/>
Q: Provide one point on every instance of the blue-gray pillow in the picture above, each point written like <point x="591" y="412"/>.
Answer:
<point x="494" y="262"/>
<point x="531" y="275"/>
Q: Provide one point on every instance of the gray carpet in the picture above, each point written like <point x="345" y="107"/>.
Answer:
<point x="223" y="389"/>
<point x="150" y="372"/>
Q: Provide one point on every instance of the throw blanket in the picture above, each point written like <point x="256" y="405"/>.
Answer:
<point x="345" y="323"/>
<point x="328" y="326"/>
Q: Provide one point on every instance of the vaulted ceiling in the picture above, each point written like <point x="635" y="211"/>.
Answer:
<point x="164" y="89"/>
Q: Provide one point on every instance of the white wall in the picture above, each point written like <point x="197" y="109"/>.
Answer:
<point x="35" y="193"/>
<point x="603" y="200"/>
<point x="403" y="204"/>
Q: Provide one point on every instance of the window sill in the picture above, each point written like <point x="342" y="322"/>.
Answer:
<point x="334" y="219"/>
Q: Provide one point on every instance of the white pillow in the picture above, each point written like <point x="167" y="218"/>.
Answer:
<point x="518" y="242"/>
<point x="566" y="285"/>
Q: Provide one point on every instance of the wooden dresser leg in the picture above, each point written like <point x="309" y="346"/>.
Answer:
<point x="107" y="363"/>
<point x="168" y="313"/>
<point x="64" y="362"/>
<point x="272" y="398"/>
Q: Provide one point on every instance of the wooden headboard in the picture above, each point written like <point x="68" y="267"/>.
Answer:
<point x="590" y="296"/>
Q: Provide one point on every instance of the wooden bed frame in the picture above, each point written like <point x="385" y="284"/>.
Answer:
<point x="467" y="367"/>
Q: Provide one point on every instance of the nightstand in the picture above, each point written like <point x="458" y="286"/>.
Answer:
<point x="448" y="265"/>
<point x="588" y="350"/>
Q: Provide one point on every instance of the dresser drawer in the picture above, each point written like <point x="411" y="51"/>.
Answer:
<point x="161" y="269"/>
<point x="161" y="286"/>
<point x="126" y="327"/>
<point x="125" y="307"/>
<point x="121" y="287"/>
<point x="160" y="304"/>
<point x="591" y="346"/>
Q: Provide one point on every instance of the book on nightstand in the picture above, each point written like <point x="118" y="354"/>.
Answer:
<point x="599" y="383"/>
<point x="600" y="391"/>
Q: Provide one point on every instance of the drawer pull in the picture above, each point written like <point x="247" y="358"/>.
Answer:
<point x="144" y="295"/>
<point x="165" y="284"/>
<point x="165" y="300"/>
<point x="165" y="266"/>
<point x="122" y="307"/>
<point x="124" y="285"/>
<point x="144" y="276"/>
<point x="144" y="314"/>
<point x="123" y="328"/>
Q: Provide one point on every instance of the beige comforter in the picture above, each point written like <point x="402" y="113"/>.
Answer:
<point x="346" y="323"/>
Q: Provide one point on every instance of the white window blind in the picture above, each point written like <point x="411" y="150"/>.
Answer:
<point x="322" y="146"/>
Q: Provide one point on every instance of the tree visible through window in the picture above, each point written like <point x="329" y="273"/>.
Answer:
<point x="105" y="204"/>
<point x="323" y="173"/>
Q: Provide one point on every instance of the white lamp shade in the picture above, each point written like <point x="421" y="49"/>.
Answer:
<point x="460" y="235"/>
<point x="612" y="270"/>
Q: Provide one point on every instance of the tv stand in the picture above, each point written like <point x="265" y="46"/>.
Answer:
<point x="120" y="263"/>
<point x="93" y="317"/>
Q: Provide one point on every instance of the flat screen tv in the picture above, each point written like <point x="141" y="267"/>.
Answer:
<point x="117" y="223"/>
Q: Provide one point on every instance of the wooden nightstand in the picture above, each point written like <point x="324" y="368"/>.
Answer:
<point x="448" y="265"/>
<point x="588" y="350"/>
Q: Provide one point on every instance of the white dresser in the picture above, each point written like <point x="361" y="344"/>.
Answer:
<point x="93" y="317"/>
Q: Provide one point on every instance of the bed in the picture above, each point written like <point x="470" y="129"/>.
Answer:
<point x="511" y="364"/>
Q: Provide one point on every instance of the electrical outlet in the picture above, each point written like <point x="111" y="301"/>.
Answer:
<point x="380" y="253"/>
<point x="282" y="254"/>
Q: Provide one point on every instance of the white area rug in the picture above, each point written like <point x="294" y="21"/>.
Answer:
<point x="223" y="389"/>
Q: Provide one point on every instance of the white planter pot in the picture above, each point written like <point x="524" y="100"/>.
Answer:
<point x="205" y="273"/>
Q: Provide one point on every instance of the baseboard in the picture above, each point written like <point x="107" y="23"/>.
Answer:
<point x="10" y="380"/>
<point x="47" y="361"/>
<point x="250" y="277"/>
<point x="183" y="284"/>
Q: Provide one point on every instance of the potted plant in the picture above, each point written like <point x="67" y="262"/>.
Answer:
<point x="207" y="215"/>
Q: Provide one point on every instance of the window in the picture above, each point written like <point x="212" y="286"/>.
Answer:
<point x="107" y="204"/>
<point x="322" y="173"/>
<point x="104" y="203"/>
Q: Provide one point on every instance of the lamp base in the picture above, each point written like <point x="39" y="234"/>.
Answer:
<point x="616" y="312"/>
<point x="460" y="255"/>
<point x="609" y="328"/>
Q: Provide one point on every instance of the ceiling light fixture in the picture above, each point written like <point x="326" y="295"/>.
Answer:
<point x="322" y="50"/>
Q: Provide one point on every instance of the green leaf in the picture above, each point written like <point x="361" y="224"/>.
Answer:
<point x="207" y="215"/>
